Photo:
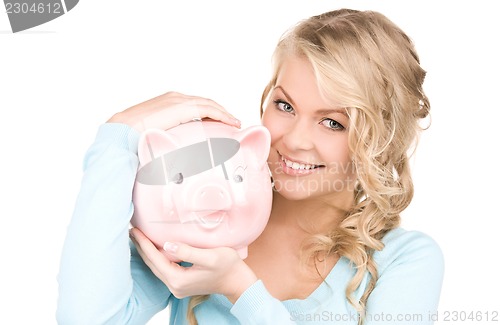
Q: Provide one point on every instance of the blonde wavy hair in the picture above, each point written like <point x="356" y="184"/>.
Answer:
<point x="368" y="65"/>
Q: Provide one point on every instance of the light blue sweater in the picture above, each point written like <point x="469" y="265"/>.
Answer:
<point x="102" y="279"/>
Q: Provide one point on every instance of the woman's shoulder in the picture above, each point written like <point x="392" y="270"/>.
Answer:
<point x="400" y="237"/>
<point x="120" y="133"/>
<point x="412" y="248"/>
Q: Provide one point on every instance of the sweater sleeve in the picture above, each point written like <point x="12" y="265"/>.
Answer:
<point x="256" y="306"/>
<point x="102" y="280"/>
<point x="411" y="269"/>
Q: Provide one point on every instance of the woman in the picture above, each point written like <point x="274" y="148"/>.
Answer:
<point x="343" y="108"/>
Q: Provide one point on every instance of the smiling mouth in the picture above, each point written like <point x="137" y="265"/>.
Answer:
<point x="210" y="219"/>
<point x="299" y="165"/>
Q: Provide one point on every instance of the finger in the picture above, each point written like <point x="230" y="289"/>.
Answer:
<point x="208" y="102"/>
<point x="173" y="98"/>
<point x="199" y="257"/>
<point x="184" y="113"/>
<point x="182" y="99"/>
<point x="169" y="98"/>
<point x="199" y="110"/>
<point x="197" y="100"/>
<point x="154" y="259"/>
<point x="147" y="247"/>
<point x="144" y="257"/>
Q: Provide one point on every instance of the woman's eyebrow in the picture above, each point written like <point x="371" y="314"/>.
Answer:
<point x="324" y="111"/>
<point x="288" y="98"/>
<point x="332" y="111"/>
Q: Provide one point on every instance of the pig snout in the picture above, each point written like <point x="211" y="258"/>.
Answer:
<point x="211" y="197"/>
<point x="209" y="205"/>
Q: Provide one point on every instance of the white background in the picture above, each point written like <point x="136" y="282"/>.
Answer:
<point x="61" y="80"/>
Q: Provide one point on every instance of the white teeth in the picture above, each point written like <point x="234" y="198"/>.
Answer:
<point x="296" y="165"/>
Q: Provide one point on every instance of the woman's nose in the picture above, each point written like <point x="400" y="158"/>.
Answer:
<point x="299" y="136"/>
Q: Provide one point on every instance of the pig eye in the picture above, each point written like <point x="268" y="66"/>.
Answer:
<point x="238" y="174"/>
<point x="178" y="178"/>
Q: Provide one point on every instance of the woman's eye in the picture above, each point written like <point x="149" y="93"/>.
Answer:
<point x="332" y="124"/>
<point x="283" y="106"/>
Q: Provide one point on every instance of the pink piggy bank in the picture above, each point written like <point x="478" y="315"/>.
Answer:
<point x="203" y="183"/>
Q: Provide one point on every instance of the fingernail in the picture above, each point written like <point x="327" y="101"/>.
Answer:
<point x="170" y="247"/>
<point x="236" y="121"/>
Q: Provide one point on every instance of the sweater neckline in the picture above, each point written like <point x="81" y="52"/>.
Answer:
<point x="334" y="282"/>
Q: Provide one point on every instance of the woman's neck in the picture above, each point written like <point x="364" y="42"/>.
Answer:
<point x="291" y="225"/>
<point x="311" y="216"/>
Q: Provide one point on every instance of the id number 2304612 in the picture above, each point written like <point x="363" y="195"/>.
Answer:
<point x="470" y="316"/>
<point x="33" y="8"/>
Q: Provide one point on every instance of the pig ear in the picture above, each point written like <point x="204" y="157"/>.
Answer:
<point x="154" y="143"/>
<point x="255" y="141"/>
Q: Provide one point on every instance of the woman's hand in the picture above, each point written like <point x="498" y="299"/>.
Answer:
<point x="171" y="109"/>
<point x="216" y="270"/>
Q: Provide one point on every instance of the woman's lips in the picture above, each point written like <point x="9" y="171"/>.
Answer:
<point x="295" y="168"/>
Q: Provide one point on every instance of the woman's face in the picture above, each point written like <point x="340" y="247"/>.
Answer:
<point x="309" y="154"/>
